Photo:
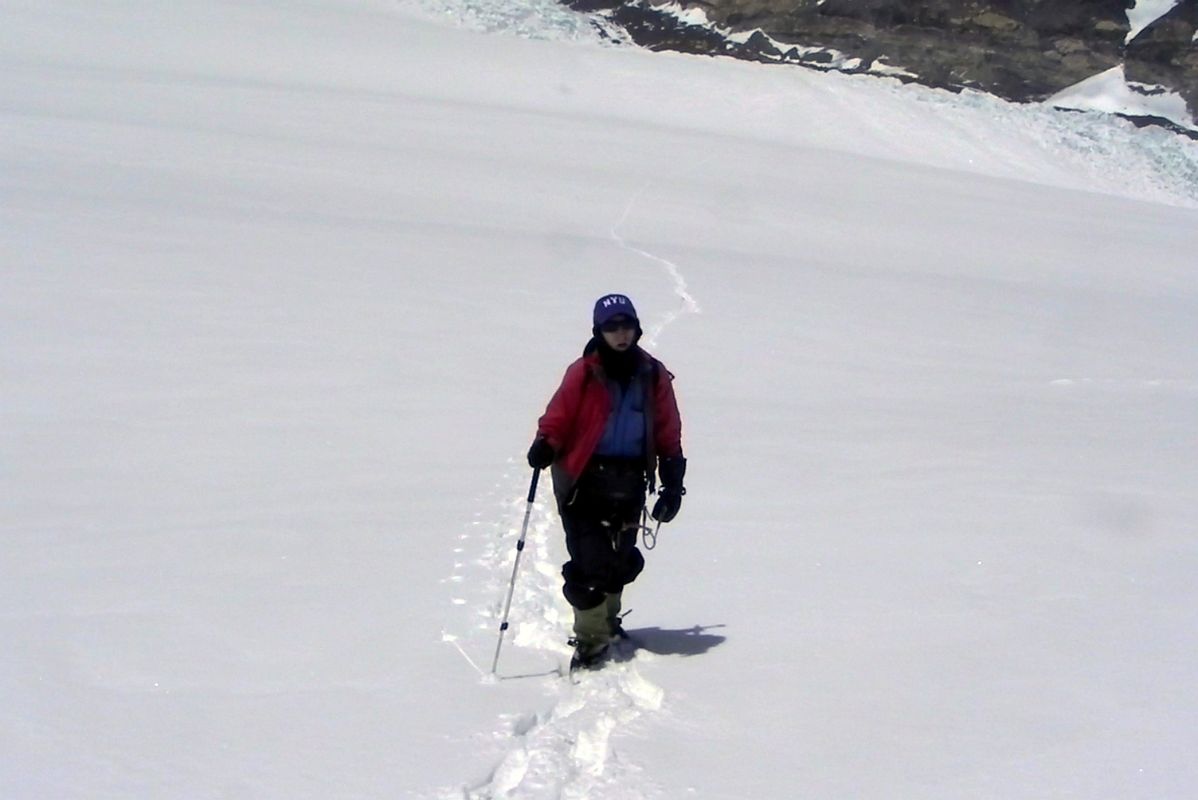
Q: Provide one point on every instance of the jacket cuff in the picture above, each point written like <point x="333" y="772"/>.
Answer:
<point x="672" y="470"/>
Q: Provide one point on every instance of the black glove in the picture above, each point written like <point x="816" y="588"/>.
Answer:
<point x="667" y="505"/>
<point x="540" y="455"/>
<point x="669" y="499"/>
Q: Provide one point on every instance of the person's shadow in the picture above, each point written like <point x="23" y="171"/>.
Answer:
<point x="691" y="641"/>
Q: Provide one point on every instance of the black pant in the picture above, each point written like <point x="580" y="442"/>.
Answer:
<point x="600" y="521"/>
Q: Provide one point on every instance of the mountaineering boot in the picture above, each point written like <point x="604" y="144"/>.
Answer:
<point x="587" y="656"/>
<point x="591" y="636"/>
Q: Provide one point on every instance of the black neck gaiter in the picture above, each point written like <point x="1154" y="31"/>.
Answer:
<point x="619" y="367"/>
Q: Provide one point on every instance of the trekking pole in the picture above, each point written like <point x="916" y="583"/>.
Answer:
<point x="532" y="492"/>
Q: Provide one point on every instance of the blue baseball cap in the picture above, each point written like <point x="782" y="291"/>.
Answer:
<point x="613" y="305"/>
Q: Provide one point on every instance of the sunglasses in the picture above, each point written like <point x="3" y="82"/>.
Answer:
<point x="618" y="324"/>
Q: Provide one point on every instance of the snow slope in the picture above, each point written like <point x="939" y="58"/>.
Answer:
<point x="286" y="286"/>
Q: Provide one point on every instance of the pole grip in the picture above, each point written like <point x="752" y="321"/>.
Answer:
<point x="532" y="489"/>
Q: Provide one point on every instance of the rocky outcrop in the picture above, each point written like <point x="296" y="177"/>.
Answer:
<point x="1022" y="50"/>
<point x="1166" y="53"/>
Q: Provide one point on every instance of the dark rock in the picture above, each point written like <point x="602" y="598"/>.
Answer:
<point x="998" y="46"/>
<point x="1022" y="50"/>
<point x="1165" y="53"/>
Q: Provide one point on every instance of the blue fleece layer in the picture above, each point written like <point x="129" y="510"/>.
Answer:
<point x="624" y="435"/>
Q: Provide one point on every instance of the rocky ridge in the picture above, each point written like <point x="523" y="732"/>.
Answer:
<point x="1020" y="50"/>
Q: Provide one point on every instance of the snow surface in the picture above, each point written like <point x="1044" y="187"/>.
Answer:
<point x="286" y="285"/>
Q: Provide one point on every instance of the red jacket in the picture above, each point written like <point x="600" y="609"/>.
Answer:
<point x="573" y="422"/>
